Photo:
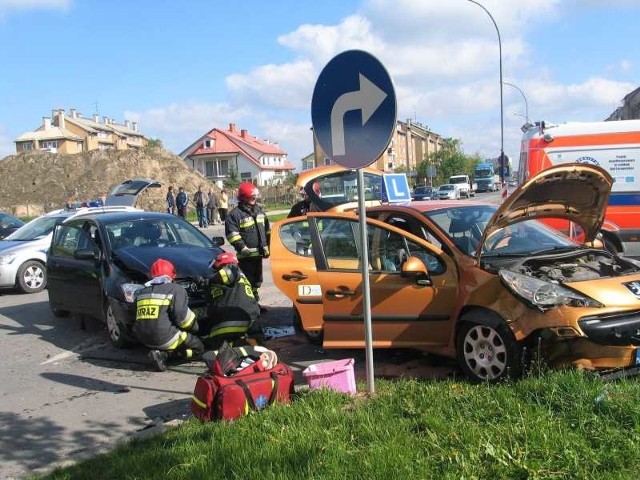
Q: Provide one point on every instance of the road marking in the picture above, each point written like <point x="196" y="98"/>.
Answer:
<point x="75" y="350"/>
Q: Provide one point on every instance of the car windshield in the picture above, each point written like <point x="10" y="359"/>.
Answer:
<point x="465" y="227"/>
<point x="446" y="187"/>
<point x="423" y="189"/>
<point x="168" y="231"/>
<point x="35" y="229"/>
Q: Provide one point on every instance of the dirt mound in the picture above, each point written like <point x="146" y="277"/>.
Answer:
<point x="37" y="182"/>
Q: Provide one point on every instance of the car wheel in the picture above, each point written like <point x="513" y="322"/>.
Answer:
<point x="32" y="277"/>
<point x="315" y="337"/>
<point x="487" y="350"/>
<point x="58" y="313"/>
<point x="118" y="333"/>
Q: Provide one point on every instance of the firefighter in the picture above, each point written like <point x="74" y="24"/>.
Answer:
<point x="247" y="229"/>
<point x="305" y="205"/>
<point x="231" y="306"/>
<point x="164" y="321"/>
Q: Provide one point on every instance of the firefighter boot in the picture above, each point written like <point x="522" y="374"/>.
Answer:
<point x="159" y="358"/>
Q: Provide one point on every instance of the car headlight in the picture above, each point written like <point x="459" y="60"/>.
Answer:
<point x="7" y="259"/>
<point x="544" y="295"/>
<point x="129" y="290"/>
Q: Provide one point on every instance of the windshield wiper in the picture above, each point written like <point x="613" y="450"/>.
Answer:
<point x="556" y="249"/>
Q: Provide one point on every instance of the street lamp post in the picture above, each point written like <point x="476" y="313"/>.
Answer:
<point x="502" y="157"/>
<point x="526" y="104"/>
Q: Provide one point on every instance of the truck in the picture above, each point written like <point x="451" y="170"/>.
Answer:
<point x="486" y="176"/>
<point x="612" y="145"/>
<point x="466" y="185"/>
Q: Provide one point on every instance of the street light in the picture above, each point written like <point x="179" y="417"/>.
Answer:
<point x="502" y="157"/>
<point x="526" y="104"/>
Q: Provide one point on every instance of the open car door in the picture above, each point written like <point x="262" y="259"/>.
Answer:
<point x="410" y="308"/>
<point x="126" y="194"/>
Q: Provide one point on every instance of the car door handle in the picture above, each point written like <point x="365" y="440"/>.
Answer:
<point x="341" y="293"/>
<point x="294" y="276"/>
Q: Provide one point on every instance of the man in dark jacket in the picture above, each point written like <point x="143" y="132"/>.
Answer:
<point x="247" y="229"/>
<point x="201" y="199"/>
<point x="171" y="201"/>
<point x="231" y="306"/>
<point x="164" y="321"/>
<point x="182" y="202"/>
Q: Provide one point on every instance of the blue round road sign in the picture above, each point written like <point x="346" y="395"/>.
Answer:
<point x="353" y="109"/>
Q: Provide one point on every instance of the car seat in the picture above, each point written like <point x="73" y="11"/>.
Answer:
<point x="460" y="234"/>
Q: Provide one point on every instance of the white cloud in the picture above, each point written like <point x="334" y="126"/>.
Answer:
<point x="443" y="58"/>
<point x="8" y="7"/>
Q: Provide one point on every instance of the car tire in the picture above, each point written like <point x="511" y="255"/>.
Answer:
<point x="58" y="313"/>
<point x="487" y="350"/>
<point x="118" y="334"/>
<point x="315" y="337"/>
<point x="31" y="277"/>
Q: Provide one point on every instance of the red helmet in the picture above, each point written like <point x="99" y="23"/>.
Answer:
<point x="162" y="267"/>
<point x="247" y="190"/>
<point x="225" y="258"/>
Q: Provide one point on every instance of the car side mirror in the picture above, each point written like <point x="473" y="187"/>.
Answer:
<point x="87" y="254"/>
<point x="218" y="241"/>
<point x="414" y="267"/>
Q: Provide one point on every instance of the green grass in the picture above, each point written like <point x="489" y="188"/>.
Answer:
<point x="553" y="425"/>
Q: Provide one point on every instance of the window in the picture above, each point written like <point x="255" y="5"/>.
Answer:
<point x="245" y="176"/>
<point x="295" y="237"/>
<point x="208" y="143"/>
<point x="67" y="240"/>
<point x="27" y="146"/>
<point x="209" y="169"/>
<point x="49" y="144"/>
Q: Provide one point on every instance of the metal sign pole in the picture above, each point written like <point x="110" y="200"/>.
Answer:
<point x="366" y="294"/>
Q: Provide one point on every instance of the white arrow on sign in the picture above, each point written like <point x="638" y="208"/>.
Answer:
<point x="367" y="99"/>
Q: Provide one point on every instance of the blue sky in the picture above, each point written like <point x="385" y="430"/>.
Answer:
<point x="182" y="68"/>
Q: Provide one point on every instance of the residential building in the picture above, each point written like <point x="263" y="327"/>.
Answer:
<point x="630" y="108"/>
<point x="218" y="151"/>
<point x="75" y="134"/>
<point x="410" y="144"/>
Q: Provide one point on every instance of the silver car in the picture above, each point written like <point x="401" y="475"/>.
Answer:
<point x="23" y="254"/>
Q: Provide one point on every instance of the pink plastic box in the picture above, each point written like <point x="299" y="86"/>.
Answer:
<point x="337" y="375"/>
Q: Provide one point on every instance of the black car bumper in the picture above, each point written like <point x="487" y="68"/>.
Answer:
<point x="617" y="330"/>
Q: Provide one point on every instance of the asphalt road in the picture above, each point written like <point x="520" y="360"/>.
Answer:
<point x="68" y="394"/>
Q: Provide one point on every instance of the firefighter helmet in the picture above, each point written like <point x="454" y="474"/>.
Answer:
<point x="162" y="267"/>
<point x="247" y="190"/>
<point x="225" y="258"/>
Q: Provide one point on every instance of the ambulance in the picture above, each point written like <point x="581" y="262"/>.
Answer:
<point x="614" y="146"/>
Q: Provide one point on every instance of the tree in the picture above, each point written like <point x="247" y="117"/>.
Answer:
<point x="154" y="143"/>
<point x="232" y="181"/>
<point x="451" y="160"/>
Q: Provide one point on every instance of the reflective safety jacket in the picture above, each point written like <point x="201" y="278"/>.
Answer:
<point x="162" y="314"/>
<point x="231" y="306"/>
<point x="248" y="226"/>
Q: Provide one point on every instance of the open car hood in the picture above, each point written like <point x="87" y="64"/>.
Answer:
<point x="128" y="191"/>
<point x="573" y="191"/>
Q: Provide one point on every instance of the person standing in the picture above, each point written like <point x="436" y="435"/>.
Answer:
<point x="200" y="199"/>
<point x="223" y="205"/>
<point x="212" y="208"/>
<point x="171" y="201"/>
<point x="247" y="229"/>
<point x="182" y="202"/>
<point x="164" y="322"/>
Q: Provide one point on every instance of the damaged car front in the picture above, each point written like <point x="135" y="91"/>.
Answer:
<point x="578" y="304"/>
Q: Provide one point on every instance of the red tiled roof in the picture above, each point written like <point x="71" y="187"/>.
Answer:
<point x="232" y="141"/>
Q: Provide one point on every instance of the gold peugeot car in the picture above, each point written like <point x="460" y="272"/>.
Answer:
<point x="487" y="284"/>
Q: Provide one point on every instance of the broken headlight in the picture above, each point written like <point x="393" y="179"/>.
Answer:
<point x="544" y="295"/>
